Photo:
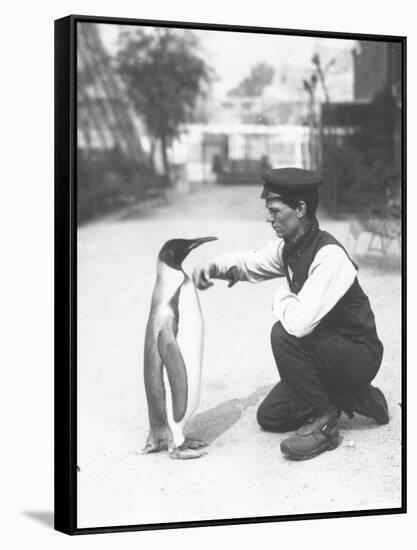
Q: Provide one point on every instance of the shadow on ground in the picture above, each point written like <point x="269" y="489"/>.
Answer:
<point x="44" y="517"/>
<point x="211" y="424"/>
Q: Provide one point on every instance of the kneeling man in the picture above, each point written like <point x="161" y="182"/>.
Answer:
<point x="325" y="342"/>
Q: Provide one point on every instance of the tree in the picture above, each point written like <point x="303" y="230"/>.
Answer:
<point x="260" y="76"/>
<point x="317" y="76"/>
<point x="164" y="74"/>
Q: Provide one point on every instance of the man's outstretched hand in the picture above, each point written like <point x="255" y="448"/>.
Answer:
<point x="202" y="276"/>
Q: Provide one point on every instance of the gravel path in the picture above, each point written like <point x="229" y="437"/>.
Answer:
<point x="243" y="473"/>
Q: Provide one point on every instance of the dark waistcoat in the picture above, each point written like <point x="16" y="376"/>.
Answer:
<point x="352" y="316"/>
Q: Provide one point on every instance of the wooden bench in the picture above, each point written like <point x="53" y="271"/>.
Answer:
<point x="383" y="232"/>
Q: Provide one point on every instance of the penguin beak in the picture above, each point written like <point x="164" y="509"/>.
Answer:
<point x="197" y="242"/>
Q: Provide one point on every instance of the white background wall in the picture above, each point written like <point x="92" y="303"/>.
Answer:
<point x="26" y="304"/>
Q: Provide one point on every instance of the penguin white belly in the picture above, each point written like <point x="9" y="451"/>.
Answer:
<point x="190" y="340"/>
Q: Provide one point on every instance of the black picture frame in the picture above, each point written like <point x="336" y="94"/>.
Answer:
<point x="66" y="274"/>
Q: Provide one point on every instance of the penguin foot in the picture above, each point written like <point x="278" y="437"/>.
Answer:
<point x="154" y="444"/>
<point x="194" y="443"/>
<point x="182" y="453"/>
<point x="153" y="447"/>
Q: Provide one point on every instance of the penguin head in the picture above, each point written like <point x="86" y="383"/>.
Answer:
<point x="174" y="252"/>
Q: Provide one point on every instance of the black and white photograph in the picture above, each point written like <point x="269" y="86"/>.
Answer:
<point x="238" y="274"/>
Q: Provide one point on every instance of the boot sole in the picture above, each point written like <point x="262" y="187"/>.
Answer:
<point x="327" y="446"/>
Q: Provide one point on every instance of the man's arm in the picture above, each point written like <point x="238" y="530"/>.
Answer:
<point x="330" y="276"/>
<point x="252" y="266"/>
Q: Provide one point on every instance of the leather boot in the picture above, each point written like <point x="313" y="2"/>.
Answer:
<point x="368" y="402"/>
<point x="313" y="438"/>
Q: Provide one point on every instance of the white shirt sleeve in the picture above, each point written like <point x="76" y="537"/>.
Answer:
<point x="254" y="266"/>
<point x="330" y="276"/>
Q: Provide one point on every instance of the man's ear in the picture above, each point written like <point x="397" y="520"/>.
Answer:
<point x="301" y="209"/>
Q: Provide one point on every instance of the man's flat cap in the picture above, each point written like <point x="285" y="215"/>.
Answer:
<point x="290" y="181"/>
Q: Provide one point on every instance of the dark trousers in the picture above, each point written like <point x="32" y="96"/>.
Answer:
<point x="316" y="371"/>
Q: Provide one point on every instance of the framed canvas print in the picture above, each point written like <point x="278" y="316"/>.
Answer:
<point x="230" y="284"/>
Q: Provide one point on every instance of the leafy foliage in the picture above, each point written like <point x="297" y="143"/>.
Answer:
<point x="363" y="164"/>
<point x="164" y="75"/>
<point x="108" y="180"/>
<point x="363" y="186"/>
<point x="260" y="76"/>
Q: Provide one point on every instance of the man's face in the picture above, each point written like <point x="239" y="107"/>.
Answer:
<point x="284" y="220"/>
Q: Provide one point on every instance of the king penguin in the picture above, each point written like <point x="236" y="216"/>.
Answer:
<point x="173" y="353"/>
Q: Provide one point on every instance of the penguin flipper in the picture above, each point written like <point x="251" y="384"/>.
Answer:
<point x="177" y="373"/>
